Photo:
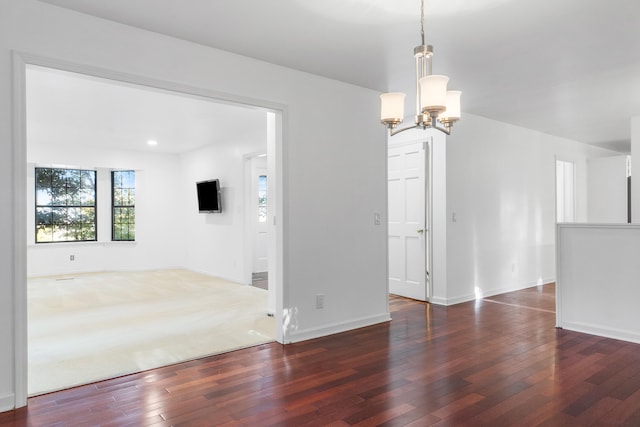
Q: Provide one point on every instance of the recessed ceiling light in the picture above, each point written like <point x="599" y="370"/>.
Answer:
<point x="152" y="142"/>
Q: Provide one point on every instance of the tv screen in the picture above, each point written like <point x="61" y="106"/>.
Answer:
<point x="209" y="196"/>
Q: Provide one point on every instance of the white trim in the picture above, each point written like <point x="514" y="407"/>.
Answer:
<point x="429" y="213"/>
<point x="588" y="328"/>
<point x="520" y="287"/>
<point x="20" y="61"/>
<point x="385" y="224"/>
<point x="439" y="301"/>
<point x="597" y="225"/>
<point x="19" y="282"/>
<point x="281" y="231"/>
<point x="559" y="278"/>
<point x="7" y="402"/>
<point x="217" y="96"/>
<point x="454" y="300"/>
<point x="336" y="328"/>
<point x="490" y="293"/>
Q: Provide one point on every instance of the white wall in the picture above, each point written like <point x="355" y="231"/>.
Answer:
<point x="598" y="279"/>
<point x="333" y="166"/>
<point x="170" y="233"/>
<point x="607" y="189"/>
<point x="159" y="243"/>
<point x="501" y="185"/>
<point x="215" y="243"/>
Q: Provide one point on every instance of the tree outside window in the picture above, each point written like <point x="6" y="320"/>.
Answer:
<point x="65" y="205"/>
<point x="262" y="198"/>
<point x="123" y="185"/>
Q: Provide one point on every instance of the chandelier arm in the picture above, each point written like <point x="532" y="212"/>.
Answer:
<point x="393" y="132"/>
<point x="436" y="125"/>
<point x="443" y="130"/>
<point x="446" y="129"/>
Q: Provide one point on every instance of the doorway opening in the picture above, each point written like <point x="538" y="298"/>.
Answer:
<point x="273" y="142"/>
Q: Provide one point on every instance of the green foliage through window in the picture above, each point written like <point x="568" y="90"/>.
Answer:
<point x="65" y="205"/>
<point x="262" y="198"/>
<point x="123" y="186"/>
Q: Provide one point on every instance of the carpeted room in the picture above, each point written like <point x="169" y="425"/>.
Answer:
<point x="93" y="326"/>
<point x="84" y="123"/>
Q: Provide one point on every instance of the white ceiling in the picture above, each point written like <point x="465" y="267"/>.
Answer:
<point x="68" y="109"/>
<point x="565" y="67"/>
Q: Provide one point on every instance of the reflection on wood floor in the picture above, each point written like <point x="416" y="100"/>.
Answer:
<point x="482" y="363"/>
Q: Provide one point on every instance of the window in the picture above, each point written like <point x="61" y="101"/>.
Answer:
<point x="123" y="202"/>
<point x="65" y="205"/>
<point x="262" y="198"/>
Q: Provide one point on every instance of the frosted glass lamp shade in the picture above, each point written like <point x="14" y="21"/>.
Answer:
<point x="433" y="93"/>
<point x="392" y="107"/>
<point x="452" y="113"/>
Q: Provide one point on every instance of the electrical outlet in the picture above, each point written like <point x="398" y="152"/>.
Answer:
<point x="72" y="257"/>
<point x="320" y="301"/>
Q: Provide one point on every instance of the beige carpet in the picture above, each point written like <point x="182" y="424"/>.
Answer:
<point x="88" y="327"/>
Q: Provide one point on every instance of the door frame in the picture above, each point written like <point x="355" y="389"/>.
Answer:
<point x="249" y="220"/>
<point x="20" y="60"/>
<point x="574" y="195"/>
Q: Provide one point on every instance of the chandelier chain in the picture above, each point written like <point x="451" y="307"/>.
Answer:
<point x="422" y="21"/>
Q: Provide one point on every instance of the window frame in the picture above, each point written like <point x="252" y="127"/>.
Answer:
<point x="67" y="207"/>
<point x="115" y="207"/>
<point x="263" y="199"/>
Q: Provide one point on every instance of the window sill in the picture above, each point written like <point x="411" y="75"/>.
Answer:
<point x="81" y="244"/>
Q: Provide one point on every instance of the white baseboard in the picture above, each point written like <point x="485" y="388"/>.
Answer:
<point x="335" y="328"/>
<point x="603" y="331"/>
<point x="489" y="293"/>
<point x="520" y="287"/>
<point x="7" y="402"/>
<point x="438" y="301"/>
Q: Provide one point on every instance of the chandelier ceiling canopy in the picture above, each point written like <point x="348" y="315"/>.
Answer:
<point x="436" y="107"/>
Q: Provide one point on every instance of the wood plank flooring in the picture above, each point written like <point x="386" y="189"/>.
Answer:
<point x="493" y="362"/>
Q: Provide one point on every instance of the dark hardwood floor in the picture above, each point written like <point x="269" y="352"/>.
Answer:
<point x="493" y="362"/>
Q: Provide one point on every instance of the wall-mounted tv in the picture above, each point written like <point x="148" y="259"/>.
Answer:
<point x="209" y="196"/>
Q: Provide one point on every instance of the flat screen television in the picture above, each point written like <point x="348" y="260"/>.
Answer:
<point x="209" y="196"/>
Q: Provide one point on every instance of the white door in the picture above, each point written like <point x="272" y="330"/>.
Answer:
<point x="408" y="233"/>
<point x="259" y="213"/>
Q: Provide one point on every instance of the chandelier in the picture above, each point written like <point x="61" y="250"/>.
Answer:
<point x="436" y="107"/>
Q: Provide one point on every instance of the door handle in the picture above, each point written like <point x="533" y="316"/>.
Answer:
<point x="420" y="230"/>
